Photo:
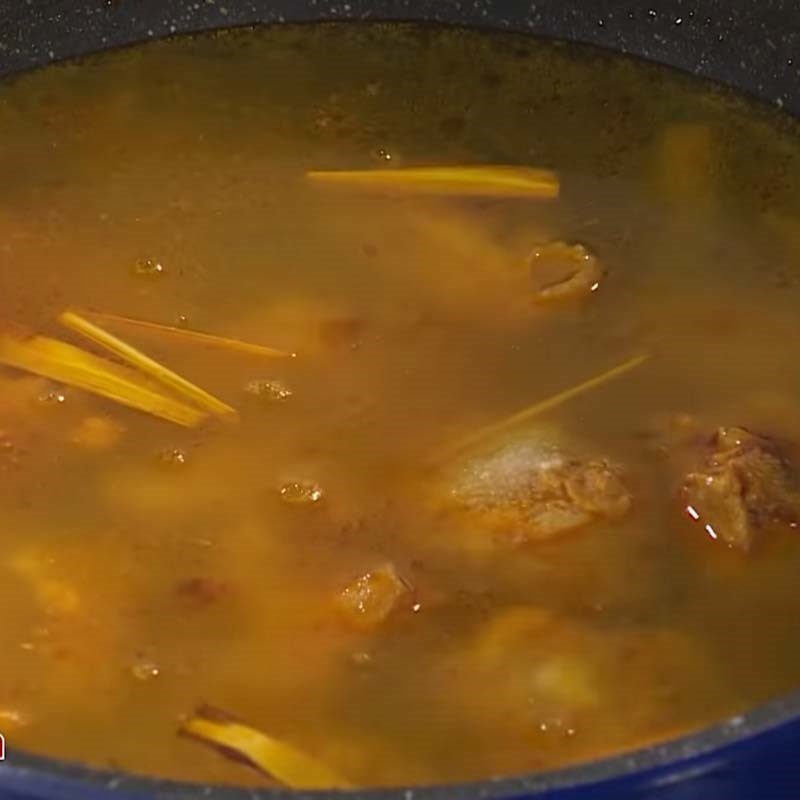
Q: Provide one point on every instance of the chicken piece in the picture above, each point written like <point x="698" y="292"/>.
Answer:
<point x="557" y="682"/>
<point x="370" y="599"/>
<point x="596" y="486"/>
<point x="539" y="668"/>
<point x="561" y="271"/>
<point x="557" y="676"/>
<point x="533" y="491"/>
<point x="741" y="485"/>
<point x="572" y="687"/>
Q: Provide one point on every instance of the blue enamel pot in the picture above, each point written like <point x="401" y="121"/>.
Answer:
<point x="752" y="46"/>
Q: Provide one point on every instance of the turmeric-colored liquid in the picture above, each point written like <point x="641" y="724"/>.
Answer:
<point x="146" y="568"/>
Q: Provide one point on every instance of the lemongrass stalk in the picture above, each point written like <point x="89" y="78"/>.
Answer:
<point x="72" y="366"/>
<point x="196" y="337"/>
<point x="146" y="364"/>
<point x="526" y="414"/>
<point x="466" y="181"/>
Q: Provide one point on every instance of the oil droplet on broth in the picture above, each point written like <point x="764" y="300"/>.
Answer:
<point x="301" y="493"/>
<point x="268" y="391"/>
<point x="361" y="659"/>
<point x="148" y="268"/>
<point x="173" y="457"/>
<point x="145" y="670"/>
<point x="55" y="397"/>
<point x="382" y="155"/>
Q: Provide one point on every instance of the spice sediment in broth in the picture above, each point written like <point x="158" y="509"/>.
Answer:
<point x="319" y="569"/>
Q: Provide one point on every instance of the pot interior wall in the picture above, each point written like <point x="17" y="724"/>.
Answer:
<point x="748" y="45"/>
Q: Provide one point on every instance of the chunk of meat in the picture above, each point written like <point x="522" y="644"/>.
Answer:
<point x="564" y="683"/>
<point x="741" y="485"/>
<point x="596" y="486"/>
<point x="561" y="271"/>
<point x="532" y="491"/>
<point x="558" y="682"/>
<point x="370" y="599"/>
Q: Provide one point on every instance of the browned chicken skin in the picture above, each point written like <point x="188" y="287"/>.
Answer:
<point x="740" y="485"/>
<point x="531" y="491"/>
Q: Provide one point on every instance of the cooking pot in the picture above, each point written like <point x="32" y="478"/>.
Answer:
<point x="749" y="45"/>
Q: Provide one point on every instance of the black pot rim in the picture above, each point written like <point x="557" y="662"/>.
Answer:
<point x="657" y="765"/>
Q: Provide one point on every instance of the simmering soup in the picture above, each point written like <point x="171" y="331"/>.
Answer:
<point x="386" y="405"/>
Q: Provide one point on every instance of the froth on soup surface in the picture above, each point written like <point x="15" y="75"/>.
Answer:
<point x="370" y="565"/>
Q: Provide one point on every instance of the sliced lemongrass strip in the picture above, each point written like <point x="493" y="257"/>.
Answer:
<point x="72" y="366"/>
<point x="492" y="180"/>
<point x="146" y="364"/>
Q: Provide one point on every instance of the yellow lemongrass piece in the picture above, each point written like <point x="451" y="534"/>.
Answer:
<point x="468" y="181"/>
<point x="196" y="337"/>
<point x="72" y="366"/>
<point x="273" y="757"/>
<point x="546" y="405"/>
<point x="146" y="364"/>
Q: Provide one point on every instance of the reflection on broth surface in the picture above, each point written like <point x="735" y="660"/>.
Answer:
<point x="340" y="535"/>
